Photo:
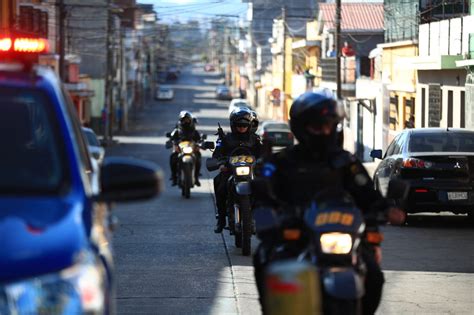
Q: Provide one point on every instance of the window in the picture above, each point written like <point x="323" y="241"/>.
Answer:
<point x="463" y="109"/>
<point x="448" y="141"/>
<point x="393" y="147"/>
<point x="423" y="107"/>
<point x="78" y="134"/>
<point x="33" y="159"/>
<point x="409" y="112"/>
<point x="394" y="112"/>
<point x="450" y="108"/>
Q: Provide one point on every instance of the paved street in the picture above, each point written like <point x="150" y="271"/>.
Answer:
<point x="169" y="261"/>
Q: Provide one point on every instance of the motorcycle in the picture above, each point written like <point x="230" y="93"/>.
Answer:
<point x="315" y="263"/>
<point x="187" y="161"/>
<point x="239" y="205"/>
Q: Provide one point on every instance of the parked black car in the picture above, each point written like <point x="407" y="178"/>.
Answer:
<point x="437" y="163"/>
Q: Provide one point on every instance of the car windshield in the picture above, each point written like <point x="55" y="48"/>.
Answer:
<point x="92" y="139"/>
<point x="32" y="156"/>
<point x="450" y="141"/>
<point x="164" y="90"/>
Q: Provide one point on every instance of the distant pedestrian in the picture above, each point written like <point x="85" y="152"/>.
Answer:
<point x="332" y="52"/>
<point x="347" y="50"/>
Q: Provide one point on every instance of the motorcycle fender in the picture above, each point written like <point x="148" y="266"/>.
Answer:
<point x="343" y="284"/>
<point x="187" y="159"/>
<point x="243" y="188"/>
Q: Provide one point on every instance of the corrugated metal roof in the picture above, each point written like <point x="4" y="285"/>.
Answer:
<point x="354" y="16"/>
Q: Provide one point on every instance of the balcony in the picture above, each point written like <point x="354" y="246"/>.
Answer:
<point x="443" y="44"/>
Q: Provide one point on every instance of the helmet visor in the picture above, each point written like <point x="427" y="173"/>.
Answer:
<point x="319" y="129"/>
<point x="186" y="121"/>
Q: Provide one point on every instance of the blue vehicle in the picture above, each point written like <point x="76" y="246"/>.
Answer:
<point x="55" y="222"/>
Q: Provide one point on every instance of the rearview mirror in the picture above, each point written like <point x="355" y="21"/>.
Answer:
<point x="204" y="137"/>
<point x="212" y="164"/>
<point x="208" y="145"/>
<point x="126" y="179"/>
<point x="376" y="154"/>
<point x="169" y="144"/>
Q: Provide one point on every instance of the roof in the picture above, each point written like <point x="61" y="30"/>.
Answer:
<point x="437" y="130"/>
<point x="355" y="16"/>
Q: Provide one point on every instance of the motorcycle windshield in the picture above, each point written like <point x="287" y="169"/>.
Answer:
<point x="326" y="217"/>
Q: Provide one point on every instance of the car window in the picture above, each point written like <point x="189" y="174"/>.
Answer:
<point x="78" y="135"/>
<point x="92" y="139"/>
<point x="33" y="157"/>
<point x="400" y="143"/>
<point x="442" y="142"/>
<point x="392" y="147"/>
<point x="277" y="126"/>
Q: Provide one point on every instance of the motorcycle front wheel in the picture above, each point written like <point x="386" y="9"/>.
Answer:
<point x="246" y="225"/>
<point x="186" y="185"/>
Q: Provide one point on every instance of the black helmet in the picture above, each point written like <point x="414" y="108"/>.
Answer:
<point x="255" y="122"/>
<point x="186" y="120"/>
<point x="240" y="116"/>
<point x="314" y="117"/>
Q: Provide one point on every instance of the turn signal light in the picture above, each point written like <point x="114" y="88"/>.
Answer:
<point x="291" y="234"/>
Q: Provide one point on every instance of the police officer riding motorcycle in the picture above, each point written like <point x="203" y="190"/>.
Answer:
<point x="185" y="137"/>
<point x="240" y="137"/>
<point x="292" y="179"/>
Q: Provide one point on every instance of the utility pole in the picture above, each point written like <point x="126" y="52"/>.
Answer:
<point x="108" y="79"/>
<point x="62" y="39"/>
<point x="338" y="49"/>
<point x="283" y="105"/>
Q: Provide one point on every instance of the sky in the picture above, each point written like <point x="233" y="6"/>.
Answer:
<point x="182" y="10"/>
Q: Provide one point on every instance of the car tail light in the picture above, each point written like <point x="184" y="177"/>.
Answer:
<point x="421" y="190"/>
<point x="290" y="136"/>
<point x="415" y="163"/>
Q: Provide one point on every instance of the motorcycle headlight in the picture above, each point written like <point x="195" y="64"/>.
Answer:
<point x="79" y="289"/>
<point x="187" y="150"/>
<point x="336" y="243"/>
<point x="242" y="170"/>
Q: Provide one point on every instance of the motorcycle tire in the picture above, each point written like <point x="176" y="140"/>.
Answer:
<point x="186" y="188"/>
<point x="237" y="233"/>
<point x="246" y="225"/>
<point x="334" y="306"/>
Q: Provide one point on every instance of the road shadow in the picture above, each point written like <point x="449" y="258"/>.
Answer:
<point x="439" y="221"/>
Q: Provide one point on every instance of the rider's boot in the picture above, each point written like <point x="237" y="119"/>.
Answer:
<point x="220" y="225"/>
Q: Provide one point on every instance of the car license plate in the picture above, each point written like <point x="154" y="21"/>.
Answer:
<point x="457" y="195"/>
<point x="278" y="136"/>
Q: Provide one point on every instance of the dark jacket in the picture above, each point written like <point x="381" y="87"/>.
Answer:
<point x="231" y="141"/>
<point x="179" y="134"/>
<point x="296" y="177"/>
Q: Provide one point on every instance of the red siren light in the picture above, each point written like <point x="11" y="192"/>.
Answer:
<point x="24" y="45"/>
<point x="5" y="44"/>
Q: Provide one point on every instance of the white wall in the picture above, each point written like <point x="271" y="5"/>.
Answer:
<point x="444" y="116"/>
<point x="366" y="88"/>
